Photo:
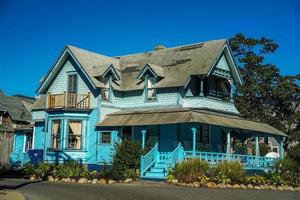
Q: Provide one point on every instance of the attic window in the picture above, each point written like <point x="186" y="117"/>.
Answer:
<point x="105" y="92"/>
<point x="150" y="92"/>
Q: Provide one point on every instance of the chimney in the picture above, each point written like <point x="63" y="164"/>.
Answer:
<point x="159" y="47"/>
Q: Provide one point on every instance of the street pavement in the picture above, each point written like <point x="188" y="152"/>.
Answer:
<point x="136" y="191"/>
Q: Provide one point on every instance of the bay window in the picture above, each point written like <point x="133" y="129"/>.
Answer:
<point x="75" y="135"/>
<point x="55" y="135"/>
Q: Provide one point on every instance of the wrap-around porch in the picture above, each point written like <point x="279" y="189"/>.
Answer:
<point x="176" y="134"/>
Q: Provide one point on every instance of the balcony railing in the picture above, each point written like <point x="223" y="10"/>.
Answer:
<point x="69" y="101"/>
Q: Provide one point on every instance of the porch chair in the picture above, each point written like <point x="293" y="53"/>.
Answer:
<point x="187" y="146"/>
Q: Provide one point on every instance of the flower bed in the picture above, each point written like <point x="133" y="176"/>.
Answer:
<point x="230" y="174"/>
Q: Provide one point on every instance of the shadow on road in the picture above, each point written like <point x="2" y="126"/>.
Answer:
<point x="17" y="186"/>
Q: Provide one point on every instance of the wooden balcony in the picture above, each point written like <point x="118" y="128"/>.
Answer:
<point x="69" y="101"/>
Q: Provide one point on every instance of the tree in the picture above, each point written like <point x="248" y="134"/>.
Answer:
<point x="266" y="95"/>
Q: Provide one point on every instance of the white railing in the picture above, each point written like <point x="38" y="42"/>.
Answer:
<point x="176" y="156"/>
<point x="248" y="161"/>
<point x="149" y="159"/>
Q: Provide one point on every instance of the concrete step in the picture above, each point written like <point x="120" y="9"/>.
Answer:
<point x="154" y="169"/>
<point x="154" y="175"/>
<point x="158" y="165"/>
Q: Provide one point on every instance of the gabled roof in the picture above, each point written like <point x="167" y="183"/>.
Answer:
<point x="15" y="108"/>
<point x="156" y="70"/>
<point x="175" y="65"/>
<point x="115" y="72"/>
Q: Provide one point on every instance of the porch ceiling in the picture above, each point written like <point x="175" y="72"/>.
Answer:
<point x="183" y="115"/>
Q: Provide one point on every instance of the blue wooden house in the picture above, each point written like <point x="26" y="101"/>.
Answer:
<point x="177" y="101"/>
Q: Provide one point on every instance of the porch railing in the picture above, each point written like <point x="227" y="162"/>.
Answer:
<point x="69" y="100"/>
<point x="248" y="161"/>
<point x="176" y="156"/>
<point x="149" y="159"/>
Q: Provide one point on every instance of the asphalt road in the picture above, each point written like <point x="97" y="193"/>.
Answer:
<point x="139" y="191"/>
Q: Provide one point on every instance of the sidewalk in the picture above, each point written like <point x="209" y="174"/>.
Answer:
<point x="10" y="195"/>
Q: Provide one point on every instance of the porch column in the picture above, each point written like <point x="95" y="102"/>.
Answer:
<point x="227" y="140"/>
<point x="143" y="138"/>
<point x="281" y="151"/>
<point x="201" y="88"/>
<point x="194" y="140"/>
<point x="256" y="146"/>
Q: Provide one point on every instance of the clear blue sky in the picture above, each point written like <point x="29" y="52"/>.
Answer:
<point x="33" y="32"/>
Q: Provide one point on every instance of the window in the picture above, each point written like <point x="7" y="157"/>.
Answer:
<point x="151" y="92"/>
<point x="74" y="135"/>
<point x="55" y="135"/>
<point x="72" y="83"/>
<point x="106" y="137"/>
<point x="105" y="91"/>
<point x="28" y="141"/>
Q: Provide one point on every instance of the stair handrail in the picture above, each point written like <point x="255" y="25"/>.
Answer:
<point x="149" y="159"/>
<point x="174" y="157"/>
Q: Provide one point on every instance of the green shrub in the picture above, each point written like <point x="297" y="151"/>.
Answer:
<point x="126" y="158"/>
<point x="277" y="179"/>
<point x="70" y="169"/>
<point x="256" y="180"/>
<point x="40" y="170"/>
<point x="264" y="149"/>
<point x="189" y="170"/>
<point x="131" y="173"/>
<point x="284" y="166"/>
<point x="285" y="171"/>
<point x="229" y="172"/>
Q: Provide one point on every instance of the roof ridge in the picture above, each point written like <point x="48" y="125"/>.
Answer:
<point x="170" y="48"/>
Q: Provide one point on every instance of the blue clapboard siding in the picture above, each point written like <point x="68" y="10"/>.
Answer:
<point x="18" y="147"/>
<point x="19" y="141"/>
<point x="39" y="135"/>
<point x="92" y="140"/>
<point x="135" y="99"/>
<point x="105" y="152"/>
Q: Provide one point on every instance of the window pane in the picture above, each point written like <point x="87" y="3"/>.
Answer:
<point x="105" y="94"/>
<point x="105" y="91"/>
<point x="55" y="135"/>
<point x="106" y="137"/>
<point x="28" y="143"/>
<point x="72" y="83"/>
<point x="74" y="135"/>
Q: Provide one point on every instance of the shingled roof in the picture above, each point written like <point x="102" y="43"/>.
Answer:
<point x="176" y="64"/>
<point x="15" y="108"/>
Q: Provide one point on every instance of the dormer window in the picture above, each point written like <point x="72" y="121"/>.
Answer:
<point x="106" y="91"/>
<point x="151" y="91"/>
